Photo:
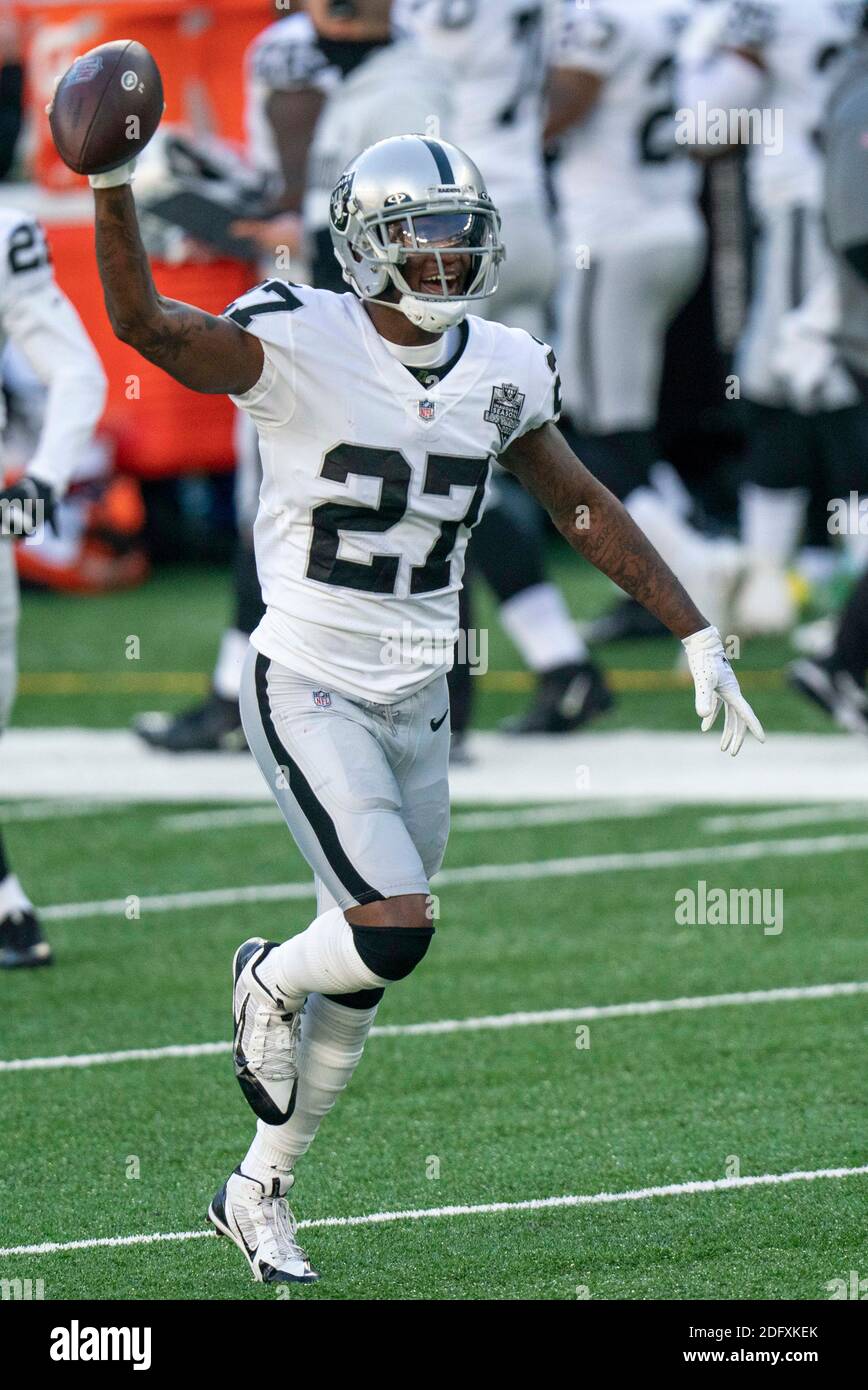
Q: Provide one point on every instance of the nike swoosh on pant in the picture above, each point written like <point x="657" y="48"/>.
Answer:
<point x="435" y="723"/>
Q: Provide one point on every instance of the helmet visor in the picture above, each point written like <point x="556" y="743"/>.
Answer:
<point x="444" y="229"/>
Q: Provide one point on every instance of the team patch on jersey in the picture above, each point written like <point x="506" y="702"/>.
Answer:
<point x="322" y="698"/>
<point x="505" y="409"/>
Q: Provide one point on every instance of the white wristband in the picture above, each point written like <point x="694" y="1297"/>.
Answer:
<point x="115" y="177"/>
<point x="706" y="639"/>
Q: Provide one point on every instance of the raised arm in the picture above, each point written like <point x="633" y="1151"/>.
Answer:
<point x="595" y="524"/>
<point x="201" y="350"/>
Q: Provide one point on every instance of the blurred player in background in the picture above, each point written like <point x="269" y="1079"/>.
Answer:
<point x="782" y="57"/>
<point x="837" y="682"/>
<point x="633" y="248"/>
<point x="39" y="320"/>
<point x="320" y="86"/>
<point x="498" y="52"/>
<point x="632" y="240"/>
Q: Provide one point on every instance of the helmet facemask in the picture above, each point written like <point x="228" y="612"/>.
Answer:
<point x="441" y="229"/>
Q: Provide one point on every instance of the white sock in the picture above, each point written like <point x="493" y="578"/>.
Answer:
<point x="332" y="1041"/>
<point x="772" y="520"/>
<point x="322" y="958"/>
<point x="539" y="623"/>
<point x="12" y="896"/>
<point x="230" y="659"/>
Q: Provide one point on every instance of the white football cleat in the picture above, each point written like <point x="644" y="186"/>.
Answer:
<point x="265" y="1037"/>
<point x="263" y="1227"/>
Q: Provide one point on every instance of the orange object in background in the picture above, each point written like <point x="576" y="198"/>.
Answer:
<point x="160" y="427"/>
<point x="199" y="49"/>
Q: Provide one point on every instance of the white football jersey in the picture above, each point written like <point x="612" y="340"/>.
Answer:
<point x="38" y="318"/>
<point x="372" y="483"/>
<point x="283" y="58"/>
<point x="801" y="43"/>
<point x="622" y="163"/>
<point x="498" y="53"/>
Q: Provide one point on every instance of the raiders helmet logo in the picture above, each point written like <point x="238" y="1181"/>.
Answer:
<point x="339" y="205"/>
<point x="505" y="409"/>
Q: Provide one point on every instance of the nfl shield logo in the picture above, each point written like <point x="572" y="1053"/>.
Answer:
<point x="322" y="698"/>
<point x="426" y="410"/>
<point x="85" y="69"/>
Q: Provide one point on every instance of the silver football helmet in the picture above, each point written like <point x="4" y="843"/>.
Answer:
<point x="411" y="196"/>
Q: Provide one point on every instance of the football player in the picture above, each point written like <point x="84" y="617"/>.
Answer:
<point x="836" y="682"/>
<point x="782" y="57"/>
<point x="632" y="237"/>
<point x="39" y="319"/>
<point x="320" y="86"/>
<point x="372" y="482"/>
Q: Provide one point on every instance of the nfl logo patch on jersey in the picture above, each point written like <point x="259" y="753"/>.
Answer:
<point x="505" y="409"/>
<point x="322" y="698"/>
<point x="426" y="410"/>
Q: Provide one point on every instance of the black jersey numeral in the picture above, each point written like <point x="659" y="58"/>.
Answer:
<point x="653" y="149"/>
<point x="442" y="473"/>
<point x="331" y="519"/>
<point x="28" y="248"/>
<point x="286" y="300"/>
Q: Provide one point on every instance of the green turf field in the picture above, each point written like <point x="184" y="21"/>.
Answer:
<point x="509" y="1114"/>
<point x="178" y="616"/>
<point x="469" y="1117"/>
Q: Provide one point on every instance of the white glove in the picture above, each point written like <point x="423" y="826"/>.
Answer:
<point x="115" y="177"/>
<point x="716" y="684"/>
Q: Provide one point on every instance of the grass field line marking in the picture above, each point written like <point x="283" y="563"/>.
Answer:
<point x="51" y="810"/>
<point x="782" y="819"/>
<point x="378" y="1218"/>
<point x="477" y="873"/>
<point x="563" y="814"/>
<point x="483" y="1023"/>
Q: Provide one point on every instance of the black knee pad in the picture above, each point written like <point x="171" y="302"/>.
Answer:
<point x="359" y="999"/>
<point x="392" y="952"/>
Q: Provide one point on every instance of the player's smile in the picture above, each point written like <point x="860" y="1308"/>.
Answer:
<point x="424" y="277"/>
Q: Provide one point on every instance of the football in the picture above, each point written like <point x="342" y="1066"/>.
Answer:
<point x="106" y="107"/>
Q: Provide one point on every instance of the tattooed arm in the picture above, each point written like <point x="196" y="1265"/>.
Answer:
<point x="200" y="350"/>
<point x="595" y="524"/>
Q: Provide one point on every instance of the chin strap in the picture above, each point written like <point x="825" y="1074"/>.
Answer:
<point x="433" y="318"/>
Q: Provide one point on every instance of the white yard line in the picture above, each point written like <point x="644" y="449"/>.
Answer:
<point x="241" y="816"/>
<point x="683" y="769"/>
<point x="707" y="855"/>
<point x="54" y="810"/>
<point x="483" y="1023"/>
<point x="780" y="820"/>
<point x="379" y="1218"/>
